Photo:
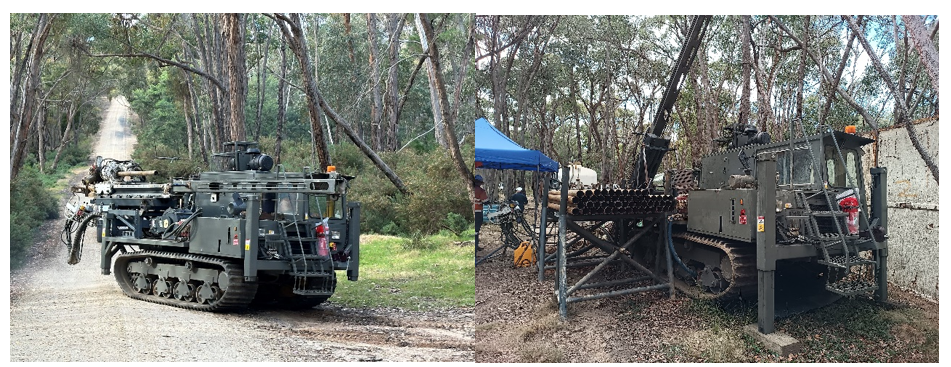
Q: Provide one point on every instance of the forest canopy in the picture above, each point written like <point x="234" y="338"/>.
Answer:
<point x="584" y="88"/>
<point x="313" y="88"/>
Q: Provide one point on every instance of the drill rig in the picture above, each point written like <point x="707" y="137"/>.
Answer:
<point x="221" y="239"/>
<point x="797" y="206"/>
<point x="757" y="206"/>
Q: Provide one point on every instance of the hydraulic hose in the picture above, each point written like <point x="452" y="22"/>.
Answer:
<point x="76" y="250"/>
<point x="673" y="253"/>
<point x="178" y="229"/>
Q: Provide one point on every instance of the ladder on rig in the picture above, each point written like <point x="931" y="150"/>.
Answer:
<point x="849" y="262"/>
<point x="304" y="267"/>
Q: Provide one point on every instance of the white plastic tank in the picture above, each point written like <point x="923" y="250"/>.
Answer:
<point x="581" y="177"/>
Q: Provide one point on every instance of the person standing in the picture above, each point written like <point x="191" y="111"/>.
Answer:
<point x="519" y="196"/>
<point x="480" y="197"/>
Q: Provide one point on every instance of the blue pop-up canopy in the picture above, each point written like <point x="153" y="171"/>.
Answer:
<point x="495" y="150"/>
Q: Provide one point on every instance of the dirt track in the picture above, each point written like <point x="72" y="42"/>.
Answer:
<point x="60" y="312"/>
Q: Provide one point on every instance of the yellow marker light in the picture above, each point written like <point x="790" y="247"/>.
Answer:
<point x="850" y="129"/>
<point x="331" y="168"/>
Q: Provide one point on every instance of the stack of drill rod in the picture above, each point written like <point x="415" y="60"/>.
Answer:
<point x="612" y="201"/>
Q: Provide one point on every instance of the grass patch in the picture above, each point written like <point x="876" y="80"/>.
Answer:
<point x="394" y="275"/>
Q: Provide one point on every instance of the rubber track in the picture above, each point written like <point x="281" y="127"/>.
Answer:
<point x="743" y="259"/>
<point x="238" y="295"/>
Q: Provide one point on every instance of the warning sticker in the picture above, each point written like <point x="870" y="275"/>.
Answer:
<point x="761" y="224"/>
<point x="247" y="245"/>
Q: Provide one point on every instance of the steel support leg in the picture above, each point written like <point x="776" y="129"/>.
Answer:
<point x="766" y="242"/>
<point x="250" y="238"/>
<point x="543" y="231"/>
<point x="766" y="307"/>
<point x="562" y="237"/>
<point x="880" y="212"/>
<point x="881" y="256"/>
<point x="105" y="257"/>
<point x="668" y="255"/>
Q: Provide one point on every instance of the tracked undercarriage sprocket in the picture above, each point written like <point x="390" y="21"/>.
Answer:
<point x="183" y="280"/>
<point x="736" y="270"/>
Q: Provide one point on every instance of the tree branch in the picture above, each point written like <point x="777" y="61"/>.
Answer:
<point x="828" y="78"/>
<point x="161" y="60"/>
<point x="903" y="109"/>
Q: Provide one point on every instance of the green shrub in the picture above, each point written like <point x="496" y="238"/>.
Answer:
<point x="456" y="223"/>
<point x="390" y="229"/>
<point x="419" y="242"/>
<point x="30" y="204"/>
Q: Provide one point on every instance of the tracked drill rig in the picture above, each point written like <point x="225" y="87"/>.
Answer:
<point x="220" y="239"/>
<point x="757" y="220"/>
<point x="758" y="206"/>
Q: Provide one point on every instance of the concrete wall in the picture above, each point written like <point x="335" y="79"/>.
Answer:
<point x="912" y="207"/>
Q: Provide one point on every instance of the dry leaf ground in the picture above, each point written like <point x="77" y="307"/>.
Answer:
<point x="517" y="320"/>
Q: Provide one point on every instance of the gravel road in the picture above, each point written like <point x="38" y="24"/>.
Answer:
<point x="60" y="312"/>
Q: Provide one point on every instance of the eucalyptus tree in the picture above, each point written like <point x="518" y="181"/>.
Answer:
<point x="902" y="113"/>
<point x="25" y="88"/>
<point x="448" y="112"/>
<point x="290" y="26"/>
<point x="924" y="45"/>
<point x="587" y="83"/>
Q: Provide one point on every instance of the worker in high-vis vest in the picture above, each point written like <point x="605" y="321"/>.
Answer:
<point x="480" y="197"/>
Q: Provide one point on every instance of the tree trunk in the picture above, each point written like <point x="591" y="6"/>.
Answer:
<point x="915" y="27"/>
<point x="764" y="87"/>
<point x="19" y="57"/>
<point x="30" y="93"/>
<point x="281" y="102"/>
<point x="747" y="65"/>
<point x="70" y="115"/>
<point x="262" y="83"/>
<point x="234" y="28"/>
<point x="199" y="122"/>
<point x="914" y="84"/>
<point x="903" y="115"/>
<point x="205" y="44"/>
<point x="353" y="59"/>
<point x="291" y="28"/>
<point x="802" y="69"/>
<point x="376" y="107"/>
<point x="217" y="44"/>
<point x="428" y="41"/>
<point x="188" y="127"/>
<point x="394" y="26"/>
<point x="828" y="78"/>
<point x="41" y="137"/>
<point x="577" y="116"/>
<point x="708" y="114"/>
<point x="439" y="123"/>
<point x="838" y="76"/>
